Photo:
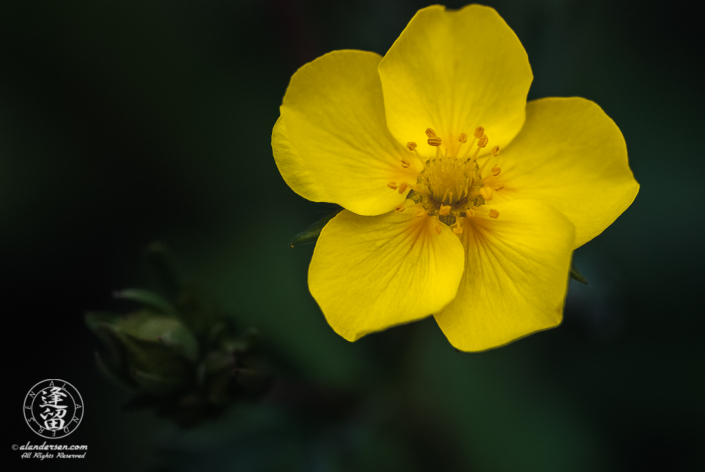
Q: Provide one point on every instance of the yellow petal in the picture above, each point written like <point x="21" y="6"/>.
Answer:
<point x="369" y="273"/>
<point x="571" y="155"/>
<point x="453" y="71"/>
<point x="331" y="142"/>
<point x="516" y="276"/>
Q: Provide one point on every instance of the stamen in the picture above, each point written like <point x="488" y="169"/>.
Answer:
<point x="430" y="133"/>
<point x="435" y="141"/>
<point x="479" y="132"/>
<point x="402" y="187"/>
<point x="420" y="212"/>
<point x="479" y="172"/>
<point x="469" y="212"/>
<point x="400" y="208"/>
<point x="463" y="138"/>
<point x="445" y="195"/>
<point x="497" y="189"/>
<point x="494" y="213"/>
<point x="458" y="229"/>
<point x="486" y="193"/>
<point x="411" y="146"/>
<point x="495" y="170"/>
<point x="444" y="210"/>
<point x="481" y="143"/>
<point x="392" y="185"/>
<point x="405" y="164"/>
<point x="495" y="151"/>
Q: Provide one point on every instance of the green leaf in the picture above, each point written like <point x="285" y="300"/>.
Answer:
<point x="147" y="298"/>
<point x="577" y="276"/>
<point x="310" y="234"/>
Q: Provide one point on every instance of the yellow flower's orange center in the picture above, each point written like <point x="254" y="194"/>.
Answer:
<point x="452" y="187"/>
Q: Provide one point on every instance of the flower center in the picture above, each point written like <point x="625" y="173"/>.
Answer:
<point x="452" y="187"/>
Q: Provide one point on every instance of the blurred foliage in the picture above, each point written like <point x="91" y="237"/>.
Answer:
<point x="181" y="358"/>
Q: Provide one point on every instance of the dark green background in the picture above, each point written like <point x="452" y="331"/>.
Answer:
<point x="124" y="122"/>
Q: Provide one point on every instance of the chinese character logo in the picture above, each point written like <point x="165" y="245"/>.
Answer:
<point x="53" y="408"/>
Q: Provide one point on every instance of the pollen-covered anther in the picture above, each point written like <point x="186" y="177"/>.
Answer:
<point x="482" y="141"/>
<point x="430" y="133"/>
<point x="479" y="132"/>
<point x="411" y="146"/>
<point x="437" y="226"/>
<point x="444" y="210"/>
<point x="469" y="212"/>
<point x="494" y="213"/>
<point x="457" y="229"/>
<point x="435" y="141"/>
<point x="486" y="193"/>
<point x="495" y="151"/>
<point x="392" y="185"/>
<point x="419" y="213"/>
<point x="400" y="208"/>
<point x="463" y="138"/>
<point x="497" y="189"/>
<point x="495" y="170"/>
<point x="405" y="164"/>
<point x="402" y="187"/>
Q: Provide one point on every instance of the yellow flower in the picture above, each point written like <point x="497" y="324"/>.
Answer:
<point x="462" y="200"/>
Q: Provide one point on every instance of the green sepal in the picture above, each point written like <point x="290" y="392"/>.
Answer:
<point x="160" y="330"/>
<point x="95" y="320"/>
<point x="145" y="353"/>
<point x="147" y="298"/>
<point x="577" y="276"/>
<point x="107" y="332"/>
<point x="310" y="235"/>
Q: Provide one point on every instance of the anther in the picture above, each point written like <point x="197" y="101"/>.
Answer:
<point x="400" y="208"/>
<point x="479" y="132"/>
<point x="444" y="210"/>
<point x="405" y="163"/>
<point x="402" y="187"/>
<point x="434" y="141"/>
<point x="486" y="193"/>
<point x="411" y="146"/>
<point x="437" y="227"/>
<point x="495" y="151"/>
<point x="494" y="213"/>
<point x="392" y="185"/>
<point x="495" y="170"/>
<point x="419" y="213"/>
<point x="469" y="212"/>
<point x="482" y="141"/>
<point x="458" y="230"/>
<point x="497" y="189"/>
<point x="430" y="133"/>
<point x="463" y="138"/>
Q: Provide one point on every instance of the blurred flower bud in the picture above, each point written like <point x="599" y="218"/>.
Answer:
<point x="180" y="358"/>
